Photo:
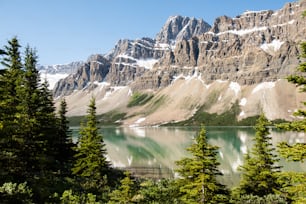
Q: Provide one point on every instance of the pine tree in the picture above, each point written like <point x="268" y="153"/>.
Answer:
<point x="10" y="142"/>
<point x="31" y="83"/>
<point x="47" y="120"/>
<point x="64" y="152"/>
<point x="126" y="191"/>
<point x="199" y="174"/>
<point x="295" y="184"/>
<point x="296" y="152"/>
<point x="91" y="166"/>
<point x="28" y="110"/>
<point x="259" y="169"/>
<point x="31" y="144"/>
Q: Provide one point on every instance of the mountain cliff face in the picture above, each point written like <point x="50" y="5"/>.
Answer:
<point x="191" y="66"/>
<point x="130" y="59"/>
<point x="53" y="73"/>
<point x="179" y="28"/>
<point x="249" y="49"/>
<point x="94" y="70"/>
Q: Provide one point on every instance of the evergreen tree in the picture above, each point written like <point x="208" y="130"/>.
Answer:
<point x="11" y="142"/>
<point x="28" y="110"/>
<point x="15" y="193"/>
<point x="295" y="184"/>
<point x="163" y="191"/>
<point x="31" y="83"/>
<point x="259" y="169"/>
<point x="47" y="121"/>
<point x="126" y="191"/>
<point x="91" y="166"/>
<point x="296" y="152"/>
<point x="199" y="174"/>
<point x="28" y="123"/>
<point x="34" y="144"/>
<point x="64" y="152"/>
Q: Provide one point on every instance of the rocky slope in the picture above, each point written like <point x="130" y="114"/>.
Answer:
<point x="179" y="28"/>
<point x="249" y="49"/>
<point x="87" y="76"/>
<point x="130" y="59"/>
<point x="192" y="66"/>
<point x="53" y="73"/>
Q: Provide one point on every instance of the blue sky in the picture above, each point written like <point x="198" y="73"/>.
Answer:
<point x="63" y="31"/>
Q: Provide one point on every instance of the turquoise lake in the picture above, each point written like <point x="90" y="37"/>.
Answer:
<point x="162" y="146"/>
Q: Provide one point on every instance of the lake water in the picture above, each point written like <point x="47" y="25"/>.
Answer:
<point x="162" y="146"/>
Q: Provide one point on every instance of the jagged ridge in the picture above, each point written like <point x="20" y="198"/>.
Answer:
<point x="130" y="59"/>
<point x="227" y="64"/>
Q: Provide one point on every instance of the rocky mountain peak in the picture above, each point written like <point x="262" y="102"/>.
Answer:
<point x="88" y="74"/>
<point x="139" y="48"/>
<point x="255" y="47"/>
<point x="191" y="65"/>
<point x="178" y="28"/>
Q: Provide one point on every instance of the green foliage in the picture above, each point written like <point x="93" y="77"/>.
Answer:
<point x="296" y="152"/>
<point x="91" y="166"/>
<point x="15" y="193"/>
<point x="293" y="185"/>
<point x="159" y="192"/>
<point x="10" y="142"/>
<point x="126" y="191"/>
<point x="268" y="199"/>
<point x="198" y="182"/>
<point x="29" y="145"/>
<point x="259" y="169"/>
<point x="139" y="99"/>
<point x="68" y="197"/>
<point x="64" y="145"/>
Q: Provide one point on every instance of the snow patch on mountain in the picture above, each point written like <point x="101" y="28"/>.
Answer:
<point x="243" y="102"/>
<point x="235" y="87"/>
<point x="247" y="12"/>
<point x="262" y="86"/>
<point x="273" y="46"/>
<point x="52" y="78"/>
<point x="243" y="31"/>
<point x="162" y="46"/>
<point x="146" y="63"/>
<point x="241" y="113"/>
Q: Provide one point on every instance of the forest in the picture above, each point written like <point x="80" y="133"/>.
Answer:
<point x="39" y="163"/>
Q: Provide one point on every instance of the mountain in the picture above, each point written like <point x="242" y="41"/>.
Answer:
<point x="87" y="74"/>
<point x="130" y="59"/>
<point x="53" y="73"/>
<point x="179" y="28"/>
<point x="191" y="67"/>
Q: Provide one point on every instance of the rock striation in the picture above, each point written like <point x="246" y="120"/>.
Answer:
<point x="179" y="28"/>
<point x="130" y="59"/>
<point x="249" y="49"/>
<point x="88" y="75"/>
<point x="191" y="66"/>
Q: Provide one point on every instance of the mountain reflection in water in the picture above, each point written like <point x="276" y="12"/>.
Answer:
<point x="162" y="146"/>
